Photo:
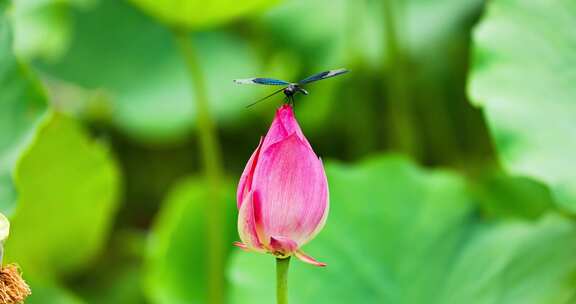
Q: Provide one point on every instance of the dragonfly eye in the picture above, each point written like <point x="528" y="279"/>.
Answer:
<point x="290" y="91"/>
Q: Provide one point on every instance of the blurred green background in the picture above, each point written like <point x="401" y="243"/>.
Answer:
<point x="449" y="148"/>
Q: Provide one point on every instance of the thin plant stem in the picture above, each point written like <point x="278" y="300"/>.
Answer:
<point x="282" y="280"/>
<point x="212" y="166"/>
<point x="399" y="98"/>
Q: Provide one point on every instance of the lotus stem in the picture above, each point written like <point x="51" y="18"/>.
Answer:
<point x="282" y="280"/>
<point x="212" y="166"/>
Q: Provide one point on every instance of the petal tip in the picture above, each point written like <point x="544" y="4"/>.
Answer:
<point x="308" y="259"/>
<point x="285" y="107"/>
<point x="241" y="245"/>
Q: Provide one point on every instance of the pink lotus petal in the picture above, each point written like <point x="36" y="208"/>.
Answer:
<point x="308" y="259"/>
<point x="282" y="246"/>
<point x="283" y="125"/>
<point x="322" y="222"/>
<point x="245" y="184"/>
<point x="292" y="186"/>
<point x="258" y="221"/>
<point x="247" y="224"/>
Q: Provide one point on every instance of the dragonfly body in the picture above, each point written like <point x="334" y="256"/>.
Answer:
<point x="290" y="88"/>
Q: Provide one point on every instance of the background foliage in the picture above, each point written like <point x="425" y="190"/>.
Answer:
<point x="449" y="147"/>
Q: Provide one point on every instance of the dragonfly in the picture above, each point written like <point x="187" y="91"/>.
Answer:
<point x="289" y="88"/>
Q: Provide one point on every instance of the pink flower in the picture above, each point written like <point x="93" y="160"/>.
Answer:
<point x="283" y="192"/>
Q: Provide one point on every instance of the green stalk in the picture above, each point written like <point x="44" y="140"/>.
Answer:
<point x="212" y="166"/>
<point x="282" y="280"/>
<point x="402" y="129"/>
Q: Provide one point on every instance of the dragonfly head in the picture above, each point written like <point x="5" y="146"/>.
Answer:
<point x="289" y="91"/>
<point x="292" y="89"/>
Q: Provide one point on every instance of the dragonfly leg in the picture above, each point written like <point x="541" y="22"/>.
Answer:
<point x="291" y="101"/>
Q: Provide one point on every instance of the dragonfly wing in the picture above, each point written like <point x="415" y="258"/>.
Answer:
<point x="265" y="81"/>
<point x="323" y="75"/>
